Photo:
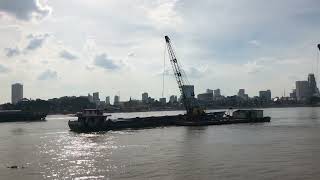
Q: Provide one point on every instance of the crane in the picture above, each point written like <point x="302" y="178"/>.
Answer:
<point x="188" y="102"/>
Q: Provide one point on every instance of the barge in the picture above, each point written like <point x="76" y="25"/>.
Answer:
<point x="19" y="115"/>
<point x="93" y="120"/>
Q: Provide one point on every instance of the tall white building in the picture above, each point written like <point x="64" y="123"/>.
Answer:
<point x="16" y="93"/>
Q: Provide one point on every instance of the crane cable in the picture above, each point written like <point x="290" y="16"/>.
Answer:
<point x="318" y="62"/>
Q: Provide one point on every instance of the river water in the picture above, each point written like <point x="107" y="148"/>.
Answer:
<point x="286" y="148"/>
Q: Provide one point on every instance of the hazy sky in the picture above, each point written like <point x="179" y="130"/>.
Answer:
<point x="58" y="47"/>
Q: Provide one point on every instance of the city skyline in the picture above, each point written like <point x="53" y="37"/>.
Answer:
<point x="243" y="46"/>
<point x="302" y="91"/>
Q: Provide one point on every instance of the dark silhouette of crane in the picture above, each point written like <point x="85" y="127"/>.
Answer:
<point x="191" y="107"/>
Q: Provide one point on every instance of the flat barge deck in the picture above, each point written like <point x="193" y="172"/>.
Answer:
<point x="94" y="120"/>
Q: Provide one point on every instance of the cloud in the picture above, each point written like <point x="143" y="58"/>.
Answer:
<point x="105" y="62"/>
<point x="48" y="75"/>
<point x="194" y="72"/>
<point x="3" y="69"/>
<point x="10" y="52"/>
<point x="255" y="43"/>
<point x="253" y="67"/>
<point x="36" y="41"/>
<point x="67" y="55"/>
<point x="131" y="54"/>
<point x="89" y="67"/>
<point x="163" y="14"/>
<point x="25" y="9"/>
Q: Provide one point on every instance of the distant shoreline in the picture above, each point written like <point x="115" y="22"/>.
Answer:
<point x="210" y="108"/>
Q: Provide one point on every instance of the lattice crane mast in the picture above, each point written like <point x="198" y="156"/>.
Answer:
<point x="182" y="81"/>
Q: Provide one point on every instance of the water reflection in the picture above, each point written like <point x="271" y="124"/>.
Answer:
<point x="79" y="153"/>
<point x="286" y="148"/>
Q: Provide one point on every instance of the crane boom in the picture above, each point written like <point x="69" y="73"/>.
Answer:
<point x="180" y="78"/>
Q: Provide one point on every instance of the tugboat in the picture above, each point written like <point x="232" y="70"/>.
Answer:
<point x="89" y="120"/>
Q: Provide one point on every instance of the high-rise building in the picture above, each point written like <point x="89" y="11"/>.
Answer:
<point x="16" y="93"/>
<point x="242" y="94"/>
<point x="188" y="91"/>
<point x="265" y="95"/>
<point x="163" y="100"/>
<point x="302" y="90"/>
<point x="209" y="91"/>
<point x="293" y="94"/>
<point x="173" y="99"/>
<point x="145" y="97"/>
<point x="108" y="100"/>
<point x="116" y="100"/>
<point x="95" y="97"/>
<point x="216" y="93"/>
<point x="90" y="98"/>
<point x="206" y="97"/>
<point x="313" y="85"/>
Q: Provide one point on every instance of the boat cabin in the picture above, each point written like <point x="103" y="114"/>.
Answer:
<point x="92" y="112"/>
<point x="91" y="117"/>
<point x="247" y="114"/>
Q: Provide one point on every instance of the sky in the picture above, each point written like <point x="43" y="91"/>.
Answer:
<point x="71" y="48"/>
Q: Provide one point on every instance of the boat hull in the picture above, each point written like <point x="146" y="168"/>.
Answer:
<point x="21" y="116"/>
<point x="149" y="122"/>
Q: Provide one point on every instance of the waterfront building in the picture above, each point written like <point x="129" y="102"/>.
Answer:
<point x="265" y="96"/>
<point x="209" y="91"/>
<point x="314" y="91"/>
<point x="188" y="91"/>
<point x="173" y="99"/>
<point x="206" y="97"/>
<point x="108" y="100"/>
<point x="145" y="97"/>
<point x="90" y="98"/>
<point x="242" y="94"/>
<point x="95" y="97"/>
<point x="16" y="93"/>
<point x="116" y="101"/>
<point x="293" y="94"/>
<point x="216" y="93"/>
<point x="302" y="90"/>
<point x="163" y="100"/>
